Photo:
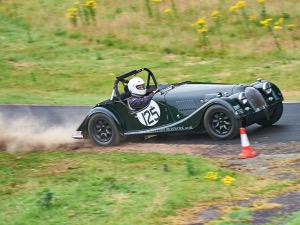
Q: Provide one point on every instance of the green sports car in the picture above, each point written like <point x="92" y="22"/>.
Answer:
<point x="218" y="109"/>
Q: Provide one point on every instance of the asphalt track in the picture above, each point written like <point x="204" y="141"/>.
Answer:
<point x="287" y="129"/>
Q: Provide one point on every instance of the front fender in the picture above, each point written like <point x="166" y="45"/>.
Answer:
<point x="275" y="94"/>
<point x="227" y="102"/>
<point x="231" y="104"/>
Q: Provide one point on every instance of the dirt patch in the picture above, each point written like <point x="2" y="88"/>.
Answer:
<point x="21" y="64"/>
<point x="146" y="148"/>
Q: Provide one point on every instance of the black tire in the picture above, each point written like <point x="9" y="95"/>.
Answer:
<point x="274" y="117"/>
<point x="103" y="130"/>
<point x="220" y="124"/>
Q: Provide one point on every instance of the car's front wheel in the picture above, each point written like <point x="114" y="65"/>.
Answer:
<point x="220" y="123"/>
<point x="103" y="130"/>
<point x="274" y="116"/>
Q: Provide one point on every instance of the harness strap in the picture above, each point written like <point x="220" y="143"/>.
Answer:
<point x="128" y="105"/>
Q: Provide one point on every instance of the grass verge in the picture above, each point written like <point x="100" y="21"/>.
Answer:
<point x="64" y="187"/>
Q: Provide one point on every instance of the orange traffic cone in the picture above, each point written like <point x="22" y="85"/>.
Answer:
<point x="247" y="151"/>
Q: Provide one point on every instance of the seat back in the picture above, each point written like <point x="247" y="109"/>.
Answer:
<point x="126" y="89"/>
<point x="126" y="93"/>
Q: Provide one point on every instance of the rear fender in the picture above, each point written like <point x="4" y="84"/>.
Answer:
<point x="84" y="125"/>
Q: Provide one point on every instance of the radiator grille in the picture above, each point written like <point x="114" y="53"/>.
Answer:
<point x="255" y="99"/>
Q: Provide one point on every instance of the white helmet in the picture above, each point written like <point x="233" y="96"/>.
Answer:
<point x="136" y="86"/>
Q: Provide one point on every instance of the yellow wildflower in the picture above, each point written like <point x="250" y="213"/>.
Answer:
<point x="265" y="22"/>
<point x="279" y="21"/>
<point x="215" y="14"/>
<point x="227" y="180"/>
<point x="77" y="3"/>
<point x="261" y="1"/>
<point x="240" y="4"/>
<point x="233" y="8"/>
<point x="72" y="10"/>
<point x="211" y="175"/>
<point x="203" y="30"/>
<point x="156" y="1"/>
<point x="277" y="27"/>
<point x="167" y="10"/>
<point x="72" y="13"/>
<point x="201" y="21"/>
<point x="91" y="4"/>
<point x="291" y="26"/>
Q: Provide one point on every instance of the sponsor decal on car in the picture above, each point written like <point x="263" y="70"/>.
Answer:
<point x="167" y="129"/>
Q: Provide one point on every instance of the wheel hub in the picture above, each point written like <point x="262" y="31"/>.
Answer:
<point x="221" y="123"/>
<point x="103" y="130"/>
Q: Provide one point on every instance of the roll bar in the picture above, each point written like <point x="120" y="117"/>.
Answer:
<point x="132" y="73"/>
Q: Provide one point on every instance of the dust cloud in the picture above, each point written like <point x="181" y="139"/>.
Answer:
<point x="27" y="134"/>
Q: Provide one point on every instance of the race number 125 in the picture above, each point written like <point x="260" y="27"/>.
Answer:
<point x="150" y="116"/>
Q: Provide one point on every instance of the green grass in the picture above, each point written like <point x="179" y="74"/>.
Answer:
<point x="294" y="219"/>
<point x="65" y="187"/>
<point x="109" y="188"/>
<point x="44" y="60"/>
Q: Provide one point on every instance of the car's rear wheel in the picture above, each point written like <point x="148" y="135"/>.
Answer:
<point x="103" y="130"/>
<point x="220" y="124"/>
<point x="274" y="116"/>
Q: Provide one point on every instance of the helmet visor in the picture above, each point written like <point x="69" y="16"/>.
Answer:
<point x="140" y="87"/>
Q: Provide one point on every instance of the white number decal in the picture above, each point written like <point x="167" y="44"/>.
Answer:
<point x="150" y="115"/>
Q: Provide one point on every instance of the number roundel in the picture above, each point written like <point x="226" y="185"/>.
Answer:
<point x="150" y="115"/>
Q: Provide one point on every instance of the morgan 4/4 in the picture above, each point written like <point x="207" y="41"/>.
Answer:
<point x="218" y="109"/>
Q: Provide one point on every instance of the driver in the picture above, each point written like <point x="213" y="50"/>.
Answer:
<point x="138" y="100"/>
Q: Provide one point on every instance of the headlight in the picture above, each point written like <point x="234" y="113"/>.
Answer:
<point x="243" y="98"/>
<point x="267" y="88"/>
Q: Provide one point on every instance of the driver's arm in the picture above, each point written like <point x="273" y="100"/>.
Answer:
<point x="139" y="103"/>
